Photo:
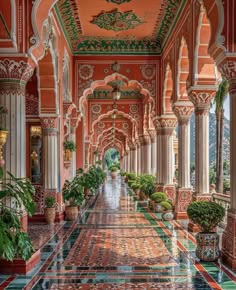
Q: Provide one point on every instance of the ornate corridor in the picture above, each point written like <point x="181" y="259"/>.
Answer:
<point x="118" y="245"/>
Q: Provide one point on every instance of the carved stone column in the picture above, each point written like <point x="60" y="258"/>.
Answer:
<point x="152" y="134"/>
<point x="50" y="161"/>
<point x="13" y="78"/>
<point x="228" y="69"/>
<point x="201" y="99"/>
<point x="74" y="121"/>
<point x="139" y="158"/>
<point x="183" y="111"/>
<point x="165" y="126"/>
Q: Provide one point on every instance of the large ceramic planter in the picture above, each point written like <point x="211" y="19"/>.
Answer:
<point x="72" y="213"/>
<point x="167" y="215"/>
<point x="157" y="207"/>
<point x="50" y="214"/>
<point x="113" y="175"/>
<point x="207" y="247"/>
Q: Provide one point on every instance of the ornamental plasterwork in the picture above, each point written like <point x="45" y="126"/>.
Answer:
<point x="118" y="2"/>
<point x="133" y="109"/>
<point x="96" y="109"/>
<point x="86" y="71"/>
<point x="228" y="69"/>
<point x="148" y="71"/>
<point x="117" y="21"/>
<point x="83" y="86"/>
<point x="150" y="86"/>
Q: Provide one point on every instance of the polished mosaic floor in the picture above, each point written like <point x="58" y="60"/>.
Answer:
<point x="118" y="245"/>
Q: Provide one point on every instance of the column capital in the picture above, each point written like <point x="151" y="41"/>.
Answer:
<point x="152" y="133"/>
<point x="49" y="125"/>
<point x="15" y="72"/>
<point x="183" y="111"/>
<point x="145" y="139"/>
<point x="201" y="98"/>
<point x="228" y="68"/>
<point x="165" y="124"/>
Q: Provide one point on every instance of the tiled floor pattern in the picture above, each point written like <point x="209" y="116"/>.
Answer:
<point x="118" y="245"/>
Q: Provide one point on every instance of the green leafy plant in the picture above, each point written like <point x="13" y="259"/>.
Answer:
<point x="206" y="215"/>
<point x="113" y="168"/>
<point x="70" y="145"/>
<point x="50" y="201"/>
<point x="131" y="176"/>
<point x="73" y="192"/>
<point x="158" y="197"/>
<point x="14" y="243"/>
<point x="135" y="185"/>
<point x="147" y="184"/>
<point x="166" y="205"/>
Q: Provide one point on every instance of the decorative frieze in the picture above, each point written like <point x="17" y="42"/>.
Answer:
<point x="201" y="100"/>
<point x="165" y="124"/>
<point x="183" y="111"/>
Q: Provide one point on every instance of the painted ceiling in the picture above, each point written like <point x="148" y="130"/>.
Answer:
<point x="116" y="26"/>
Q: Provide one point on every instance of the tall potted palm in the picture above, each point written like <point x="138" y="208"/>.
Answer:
<point x="219" y="100"/>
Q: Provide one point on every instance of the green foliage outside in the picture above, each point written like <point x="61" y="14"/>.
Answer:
<point x="112" y="157"/>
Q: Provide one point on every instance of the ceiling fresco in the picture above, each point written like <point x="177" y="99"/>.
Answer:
<point x="116" y="26"/>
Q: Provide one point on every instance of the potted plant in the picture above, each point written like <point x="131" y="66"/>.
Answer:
<point x="69" y="147"/>
<point x="155" y="201"/>
<point x="207" y="215"/>
<point x="15" y="243"/>
<point x="73" y="194"/>
<point x="50" y="210"/>
<point x="113" y="170"/>
<point x="167" y="207"/>
<point x="147" y="186"/>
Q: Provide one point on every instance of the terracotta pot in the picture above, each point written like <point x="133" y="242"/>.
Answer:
<point x="142" y="196"/>
<point x="207" y="247"/>
<point x="50" y="214"/>
<point x="86" y="192"/>
<point x="72" y="213"/>
<point x="68" y="155"/>
<point x="167" y="215"/>
<point x="113" y="175"/>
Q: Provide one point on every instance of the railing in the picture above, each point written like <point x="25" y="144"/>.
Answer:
<point x="224" y="200"/>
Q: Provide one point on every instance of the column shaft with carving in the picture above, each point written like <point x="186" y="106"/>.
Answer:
<point x="183" y="111"/>
<point x="165" y="126"/>
<point x="152" y="134"/>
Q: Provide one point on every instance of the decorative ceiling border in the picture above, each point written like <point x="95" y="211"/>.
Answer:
<point x="68" y="16"/>
<point x="169" y="9"/>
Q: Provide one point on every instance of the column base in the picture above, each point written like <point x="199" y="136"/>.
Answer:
<point x="229" y="241"/>
<point x="170" y="191"/>
<point x="183" y="199"/>
<point x="198" y="197"/>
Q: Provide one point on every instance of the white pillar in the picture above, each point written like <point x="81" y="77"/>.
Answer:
<point x="72" y="137"/>
<point x="183" y="111"/>
<point x="50" y="152"/>
<point x="165" y="126"/>
<point x="201" y="101"/>
<point x="153" y="152"/>
<point x="139" y="159"/>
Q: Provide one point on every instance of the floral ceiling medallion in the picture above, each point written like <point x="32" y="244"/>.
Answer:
<point x="118" y="1"/>
<point x="117" y="21"/>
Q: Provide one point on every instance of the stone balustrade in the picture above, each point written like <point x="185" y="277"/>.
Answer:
<point x="224" y="200"/>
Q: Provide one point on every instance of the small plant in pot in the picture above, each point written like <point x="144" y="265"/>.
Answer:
<point x="113" y="170"/>
<point x="207" y="215"/>
<point x="73" y="194"/>
<point x="50" y="210"/>
<point x="167" y="214"/>
<point x="69" y="147"/>
<point x="156" y="199"/>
